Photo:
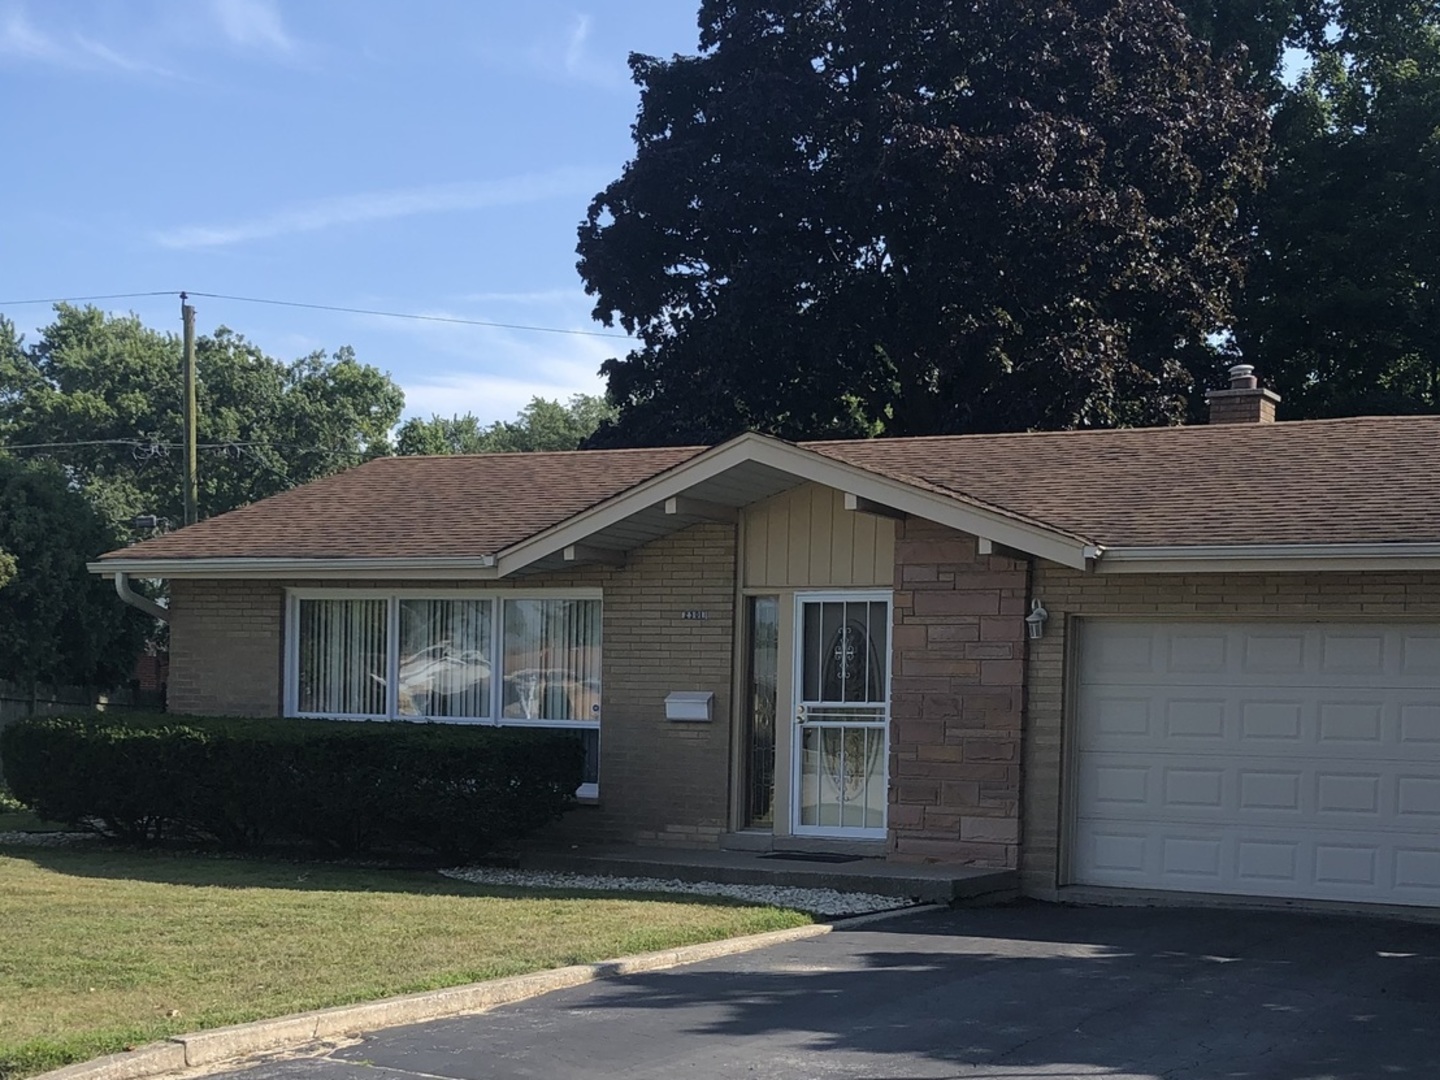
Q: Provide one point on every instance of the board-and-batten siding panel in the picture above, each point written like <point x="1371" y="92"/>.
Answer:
<point x="806" y="539"/>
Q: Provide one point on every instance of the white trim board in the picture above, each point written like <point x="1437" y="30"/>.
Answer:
<point x="805" y="465"/>
<point x="1243" y="558"/>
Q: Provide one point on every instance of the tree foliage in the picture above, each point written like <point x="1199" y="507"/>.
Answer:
<point x="1342" y="311"/>
<point x="852" y="216"/>
<point x="541" y="425"/>
<point x="107" y="391"/>
<point x="59" y="624"/>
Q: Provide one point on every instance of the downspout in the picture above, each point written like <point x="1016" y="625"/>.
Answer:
<point x="135" y="600"/>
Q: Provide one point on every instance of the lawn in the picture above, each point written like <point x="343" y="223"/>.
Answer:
<point x="103" y="949"/>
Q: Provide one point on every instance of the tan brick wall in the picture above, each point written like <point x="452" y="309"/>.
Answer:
<point x="225" y="647"/>
<point x="957" y="699"/>
<point x="664" y="782"/>
<point x="660" y="782"/>
<point x="1068" y="594"/>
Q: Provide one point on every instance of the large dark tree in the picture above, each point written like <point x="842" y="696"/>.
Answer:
<point x="912" y="216"/>
<point x="1342" y="310"/>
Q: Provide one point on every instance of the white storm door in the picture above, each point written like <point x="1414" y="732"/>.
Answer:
<point x="842" y="714"/>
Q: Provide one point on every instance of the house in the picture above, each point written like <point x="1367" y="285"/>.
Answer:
<point x="1202" y="659"/>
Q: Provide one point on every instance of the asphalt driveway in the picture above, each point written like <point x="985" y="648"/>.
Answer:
<point x="1023" y="992"/>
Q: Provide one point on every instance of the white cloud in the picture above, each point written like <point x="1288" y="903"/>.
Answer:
<point x="386" y="205"/>
<point x="575" y="57"/>
<point x="20" y="39"/>
<point x="579" y="63"/>
<point x="493" y="396"/>
<point x="566" y="53"/>
<point x="252" y="24"/>
<point x="493" y="372"/>
<point x="538" y="296"/>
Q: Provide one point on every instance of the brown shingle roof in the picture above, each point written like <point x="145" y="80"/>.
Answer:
<point x="417" y="506"/>
<point x="1361" y="480"/>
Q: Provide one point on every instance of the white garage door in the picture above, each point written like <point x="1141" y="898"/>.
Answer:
<point x="1263" y="759"/>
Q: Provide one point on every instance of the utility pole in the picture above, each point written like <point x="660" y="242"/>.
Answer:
<point x="192" y="484"/>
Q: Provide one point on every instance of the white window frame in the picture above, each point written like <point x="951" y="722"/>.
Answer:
<point x="393" y="597"/>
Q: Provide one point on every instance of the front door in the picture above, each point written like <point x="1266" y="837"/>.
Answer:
<point x="842" y="713"/>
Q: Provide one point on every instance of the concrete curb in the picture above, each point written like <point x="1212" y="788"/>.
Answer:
<point x="219" y="1045"/>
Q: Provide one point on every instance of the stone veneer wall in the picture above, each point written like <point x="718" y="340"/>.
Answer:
<point x="660" y="782"/>
<point x="1068" y="594"/>
<point x="957" y="699"/>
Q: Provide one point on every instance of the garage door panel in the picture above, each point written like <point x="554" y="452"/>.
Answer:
<point x="1197" y="788"/>
<point x="1134" y="788"/>
<point x="1295" y="760"/>
<point x="1272" y="655"/>
<point x="1420" y="655"/>
<point x="1260" y="862"/>
<point x="1398" y="724"/>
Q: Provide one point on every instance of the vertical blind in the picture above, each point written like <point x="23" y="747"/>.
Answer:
<point x="552" y="660"/>
<point x="446" y="654"/>
<point x="444" y="667"/>
<point x="344" y="657"/>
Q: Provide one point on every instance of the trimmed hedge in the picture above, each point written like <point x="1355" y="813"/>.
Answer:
<point x="345" y="786"/>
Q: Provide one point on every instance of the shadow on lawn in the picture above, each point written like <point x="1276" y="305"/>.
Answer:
<point x="208" y="869"/>
<point x="1026" y="991"/>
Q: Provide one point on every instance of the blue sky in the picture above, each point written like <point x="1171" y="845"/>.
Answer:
<point x="430" y="156"/>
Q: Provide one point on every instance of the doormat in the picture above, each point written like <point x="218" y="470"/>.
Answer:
<point x="811" y="856"/>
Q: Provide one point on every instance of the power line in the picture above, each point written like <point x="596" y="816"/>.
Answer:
<point x="322" y="307"/>
<point x="85" y="299"/>
<point x="162" y="445"/>
<point x="407" y="315"/>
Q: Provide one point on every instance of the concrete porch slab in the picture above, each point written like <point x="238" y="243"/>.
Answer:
<point x="927" y="882"/>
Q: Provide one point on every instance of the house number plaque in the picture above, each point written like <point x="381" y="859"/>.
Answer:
<point x="697" y="616"/>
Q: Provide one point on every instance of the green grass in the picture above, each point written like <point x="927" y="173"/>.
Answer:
<point x="103" y="949"/>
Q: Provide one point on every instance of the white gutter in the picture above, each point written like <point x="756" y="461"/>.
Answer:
<point x="468" y="567"/>
<point x="1241" y="558"/>
<point x="135" y="600"/>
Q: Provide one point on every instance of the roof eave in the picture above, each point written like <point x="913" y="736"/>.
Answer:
<point x="467" y="567"/>
<point x="1253" y="558"/>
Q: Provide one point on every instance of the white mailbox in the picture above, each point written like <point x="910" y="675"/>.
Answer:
<point x="693" y="706"/>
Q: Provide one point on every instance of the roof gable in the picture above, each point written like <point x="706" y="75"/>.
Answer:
<point x="1065" y="496"/>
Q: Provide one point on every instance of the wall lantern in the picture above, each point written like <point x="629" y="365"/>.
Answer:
<point x="1035" y="621"/>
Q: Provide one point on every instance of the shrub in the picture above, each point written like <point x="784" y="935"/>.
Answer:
<point x="345" y="786"/>
<point x="8" y="803"/>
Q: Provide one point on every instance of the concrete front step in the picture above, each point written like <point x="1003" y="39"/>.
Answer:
<point x="929" y="883"/>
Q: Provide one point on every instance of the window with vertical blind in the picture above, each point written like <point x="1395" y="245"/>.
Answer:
<point x="518" y="659"/>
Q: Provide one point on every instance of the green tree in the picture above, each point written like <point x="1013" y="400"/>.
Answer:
<point x="59" y="624"/>
<point x="7" y="568"/>
<point x="1341" y="312"/>
<point x="852" y="216"/>
<point x="108" y="390"/>
<point x="541" y="425"/>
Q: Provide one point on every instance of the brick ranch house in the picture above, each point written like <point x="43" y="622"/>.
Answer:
<point x="1201" y="659"/>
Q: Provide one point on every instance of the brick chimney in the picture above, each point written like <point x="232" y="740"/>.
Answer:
<point x="1245" y="402"/>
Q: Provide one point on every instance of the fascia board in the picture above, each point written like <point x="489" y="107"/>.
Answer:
<point x="805" y="465"/>
<point x="1254" y="558"/>
<point x="468" y="568"/>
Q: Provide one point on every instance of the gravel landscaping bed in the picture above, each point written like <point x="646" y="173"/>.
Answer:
<point x="44" y="839"/>
<point x="828" y="902"/>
